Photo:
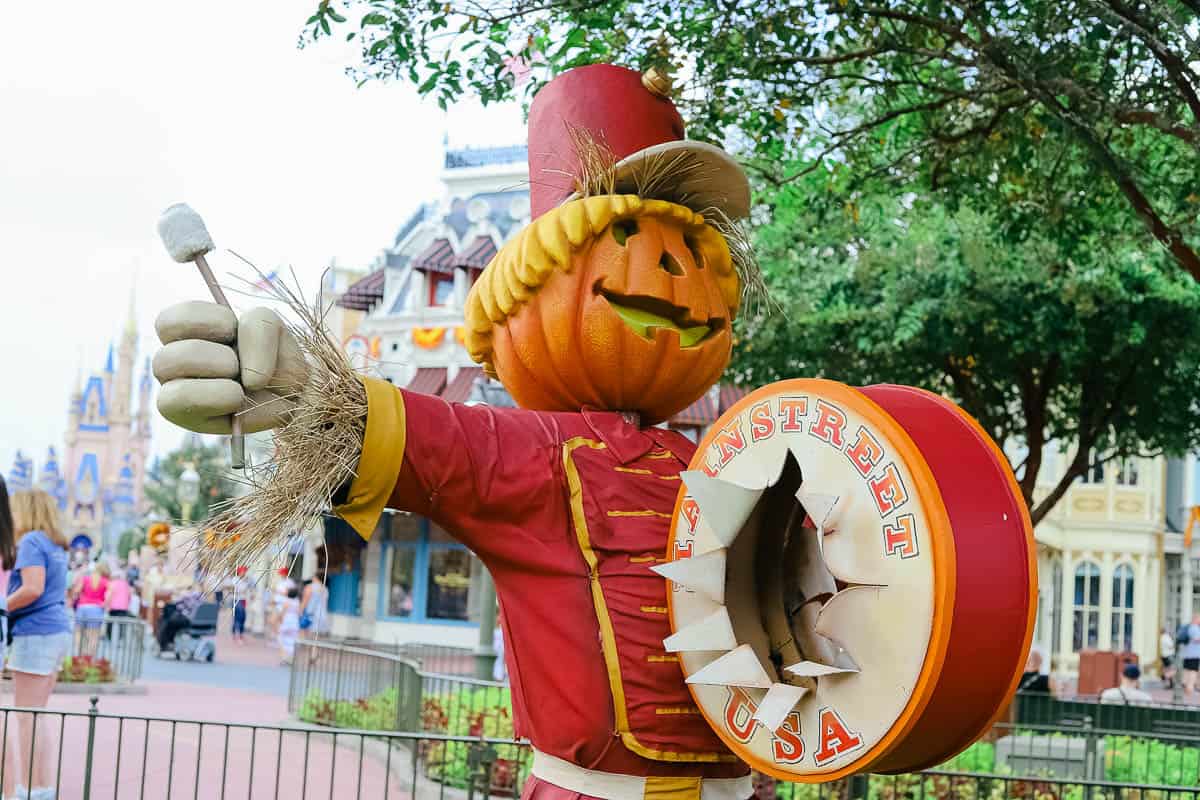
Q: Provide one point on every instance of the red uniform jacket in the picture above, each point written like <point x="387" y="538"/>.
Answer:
<point x="568" y="512"/>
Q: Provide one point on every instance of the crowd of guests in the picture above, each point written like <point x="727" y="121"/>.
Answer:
<point x="51" y="596"/>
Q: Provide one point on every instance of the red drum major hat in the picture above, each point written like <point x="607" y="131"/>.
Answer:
<point x="853" y="582"/>
<point x="632" y="117"/>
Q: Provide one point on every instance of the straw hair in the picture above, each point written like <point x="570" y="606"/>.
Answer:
<point x="315" y="453"/>
<point x="34" y="510"/>
<point x="548" y="244"/>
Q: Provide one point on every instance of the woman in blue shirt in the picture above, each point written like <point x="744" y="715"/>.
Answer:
<point x="41" y="629"/>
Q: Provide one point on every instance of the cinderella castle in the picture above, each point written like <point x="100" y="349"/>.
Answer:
<point x="99" y="481"/>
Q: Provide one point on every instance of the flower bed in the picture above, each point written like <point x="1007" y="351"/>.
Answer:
<point x="480" y="712"/>
<point x="86" y="669"/>
<point x="376" y="713"/>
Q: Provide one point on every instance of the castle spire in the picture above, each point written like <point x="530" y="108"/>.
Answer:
<point x="131" y="319"/>
<point x="108" y="364"/>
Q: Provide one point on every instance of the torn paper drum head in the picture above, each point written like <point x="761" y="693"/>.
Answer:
<point x="852" y="580"/>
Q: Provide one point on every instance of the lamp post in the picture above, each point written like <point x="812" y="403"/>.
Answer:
<point x="485" y="650"/>
<point x="188" y="491"/>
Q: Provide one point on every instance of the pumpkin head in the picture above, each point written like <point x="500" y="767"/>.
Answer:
<point x="610" y="302"/>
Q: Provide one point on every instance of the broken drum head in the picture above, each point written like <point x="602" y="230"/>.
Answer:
<point x="852" y="579"/>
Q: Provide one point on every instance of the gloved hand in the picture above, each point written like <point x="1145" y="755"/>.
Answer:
<point x="206" y="349"/>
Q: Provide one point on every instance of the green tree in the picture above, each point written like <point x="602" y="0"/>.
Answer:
<point x="900" y="88"/>
<point x="1048" y="340"/>
<point x="211" y="462"/>
<point x="130" y="540"/>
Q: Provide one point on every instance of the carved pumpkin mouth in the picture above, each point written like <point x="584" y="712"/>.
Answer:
<point x="645" y="315"/>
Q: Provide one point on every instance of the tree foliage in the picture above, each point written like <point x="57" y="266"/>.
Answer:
<point x="1113" y="81"/>
<point x="211" y="462"/>
<point x="1050" y="341"/>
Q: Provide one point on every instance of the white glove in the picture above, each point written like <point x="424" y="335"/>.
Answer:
<point x="198" y="368"/>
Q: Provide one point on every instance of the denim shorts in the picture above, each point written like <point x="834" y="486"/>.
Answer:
<point x="89" y="616"/>
<point x="39" y="654"/>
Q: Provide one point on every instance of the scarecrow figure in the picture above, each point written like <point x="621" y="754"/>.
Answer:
<point x="608" y="314"/>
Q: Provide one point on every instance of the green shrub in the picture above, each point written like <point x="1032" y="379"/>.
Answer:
<point x="485" y="712"/>
<point x="377" y="713"/>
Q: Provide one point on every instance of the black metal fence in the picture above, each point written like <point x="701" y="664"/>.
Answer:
<point x="97" y="756"/>
<point x="1134" y="718"/>
<point x="111" y="650"/>
<point x="344" y="686"/>
<point x="92" y="755"/>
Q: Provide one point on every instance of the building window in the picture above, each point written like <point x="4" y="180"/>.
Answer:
<point x="1127" y="475"/>
<point x="1087" y="606"/>
<point x="400" y="558"/>
<point x="1094" y="474"/>
<point x="429" y="577"/>
<point x="441" y="289"/>
<point x="1122" y="608"/>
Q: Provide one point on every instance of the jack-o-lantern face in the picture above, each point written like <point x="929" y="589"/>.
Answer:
<point x="629" y="308"/>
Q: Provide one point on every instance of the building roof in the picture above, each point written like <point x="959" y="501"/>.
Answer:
<point x="486" y="156"/>
<point x="364" y="293"/>
<point x="439" y="256"/>
<point x="459" y="389"/>
<point x="478" y="253"/>
<point x="707" y="409"/>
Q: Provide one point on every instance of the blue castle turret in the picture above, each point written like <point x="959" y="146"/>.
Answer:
<point x="20" y="477"/>
<point x="51" y="480"/>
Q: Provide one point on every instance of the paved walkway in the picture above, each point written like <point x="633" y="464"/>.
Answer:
<point x="193" y="736"/>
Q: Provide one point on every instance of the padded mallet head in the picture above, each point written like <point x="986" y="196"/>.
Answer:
<point x="183" y="233"/>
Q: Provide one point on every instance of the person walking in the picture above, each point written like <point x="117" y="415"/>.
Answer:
<point x="1166" y="654"/>
<point x="1128" y="691"/>
<point x="89" y="593"/>
<point x="241" y="592"/>
<point x="1189" y="653"/>
<point x="41" y="632"/>
<point x="314" y="617"/>
<point x="117" y="600"/>
<point x="289" y="624"/>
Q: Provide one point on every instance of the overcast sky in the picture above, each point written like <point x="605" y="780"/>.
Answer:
<point x="110" y="112"/>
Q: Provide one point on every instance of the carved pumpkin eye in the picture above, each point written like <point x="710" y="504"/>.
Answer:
<point x="669" y="264"/>
<point x="695" y="251"/>
<point x="623" y="229"/>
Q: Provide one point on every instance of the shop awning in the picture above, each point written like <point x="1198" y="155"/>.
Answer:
<point x="478" y="253"/>
<point x="364" y="293"/>
<point x="428" y="380"/>
<point x="730" y="394"/>
<point x="459" y="390"/>
<point x="699" y="414"/>
<point x="438" y="257"/>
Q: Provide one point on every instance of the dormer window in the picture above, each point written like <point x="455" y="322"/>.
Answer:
<point x="441" y="289"/>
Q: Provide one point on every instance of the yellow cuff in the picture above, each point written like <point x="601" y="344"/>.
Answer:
<point x="380" y="460"/>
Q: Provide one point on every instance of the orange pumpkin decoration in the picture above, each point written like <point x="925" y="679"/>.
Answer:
<point x="159" y="535"/>
<point x="610" y="302"/>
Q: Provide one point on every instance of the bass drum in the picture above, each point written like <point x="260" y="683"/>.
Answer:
<point x="854" y="584"/>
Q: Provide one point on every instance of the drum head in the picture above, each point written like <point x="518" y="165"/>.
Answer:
<point x="813" y="581"/>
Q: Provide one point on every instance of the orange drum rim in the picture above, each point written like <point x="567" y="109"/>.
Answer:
<point x="943" y="557"/>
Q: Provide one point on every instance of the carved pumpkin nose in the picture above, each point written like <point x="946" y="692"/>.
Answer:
<point x="660" y="263"/>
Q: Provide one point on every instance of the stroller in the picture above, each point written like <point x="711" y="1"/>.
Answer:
<point x="197" y="642"/>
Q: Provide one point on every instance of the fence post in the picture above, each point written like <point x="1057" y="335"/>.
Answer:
<point x="337" y="680"/>
<point x="1089" y="755"/>
<point x="860" y="787"/>
<point x="89" y="754"/>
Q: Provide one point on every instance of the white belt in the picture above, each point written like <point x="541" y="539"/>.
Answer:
<point x="611" y="786"/>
